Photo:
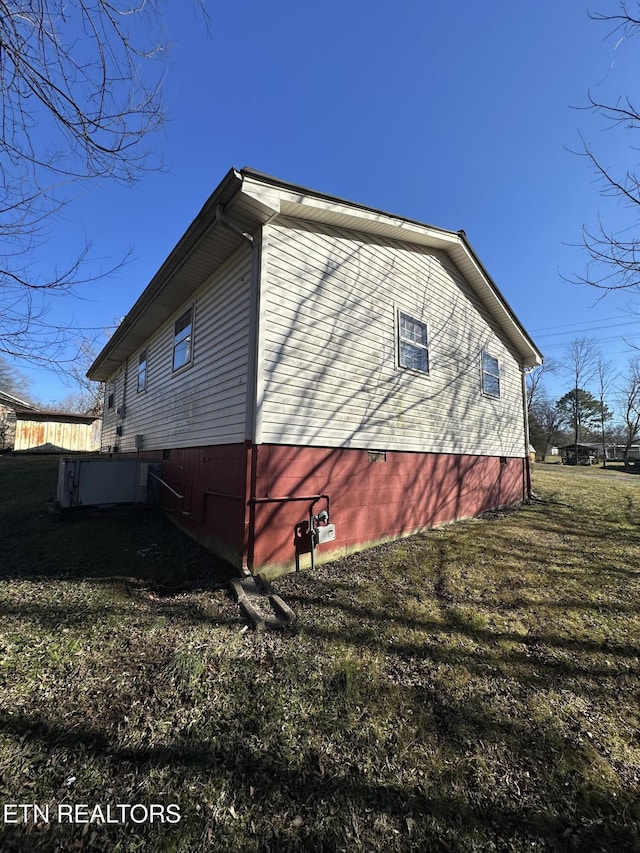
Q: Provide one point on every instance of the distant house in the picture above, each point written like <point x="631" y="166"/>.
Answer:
<point x="23" y="427"/>
<point x="616" y="452"/>
<point x="295" y="347"/>
<point x="8" y="405"/>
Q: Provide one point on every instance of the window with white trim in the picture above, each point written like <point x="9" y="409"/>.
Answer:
<point x="142" y="370"/>
<point x="182" y="339"/>
<point x="413" y="343"/>
<point x="490" y="375"/>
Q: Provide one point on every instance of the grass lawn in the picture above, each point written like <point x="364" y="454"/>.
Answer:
<point x="473" y="688"/>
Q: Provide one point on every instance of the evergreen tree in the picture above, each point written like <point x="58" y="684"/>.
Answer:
<point x="581" y="412"/>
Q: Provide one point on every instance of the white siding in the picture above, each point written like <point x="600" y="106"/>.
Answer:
<point x="329" y="349"/>
<point x="112" y="416"/>
<point x="204" y="402"/>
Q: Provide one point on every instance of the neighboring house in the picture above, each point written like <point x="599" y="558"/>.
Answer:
<point x="294" y="345"/>
<point x="23" y="427"/>
<point x="615" y="452"/>
<point x="8" y="406"/>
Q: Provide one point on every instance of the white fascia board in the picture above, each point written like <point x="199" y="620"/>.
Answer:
<point x="10" y="400"/>
<point x="267" y="195"/>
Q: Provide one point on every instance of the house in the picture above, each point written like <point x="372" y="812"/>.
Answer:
<point x="8" y="405"/>
<point x="297" y="354"/>
<point x="24" y="427"/>
<point x="616" y="452"/>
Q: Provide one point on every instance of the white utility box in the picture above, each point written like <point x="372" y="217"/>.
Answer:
<point x="325" y="533"/>
<point x="92" y="481"/>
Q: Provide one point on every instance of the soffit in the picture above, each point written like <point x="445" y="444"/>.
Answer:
<point x="205" y="246"/>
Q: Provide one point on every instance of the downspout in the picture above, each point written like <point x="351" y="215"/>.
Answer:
<point x="222" y="218"/>
<point x="527" y="443"/>
<point x="123" y="408"/>
<point x="253" y="429"/>
<point x="251" y="450"/>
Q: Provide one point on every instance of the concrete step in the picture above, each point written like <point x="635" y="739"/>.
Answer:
<point x="261" y="604"/>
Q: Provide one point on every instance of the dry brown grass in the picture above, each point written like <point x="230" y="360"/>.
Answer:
<point x="473" y="688"/>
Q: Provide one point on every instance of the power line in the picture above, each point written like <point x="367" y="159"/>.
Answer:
<point x="633" y="323"/>
<point x="608" y="340"/>
<point x="571" y="325"/>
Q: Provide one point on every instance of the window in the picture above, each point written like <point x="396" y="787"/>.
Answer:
<point x="142" y="370"/>
<point x="413" y="343"/>
<point x="182" y="336"/>
<point x="490" y="375"/>
<point x="110" y="398"/>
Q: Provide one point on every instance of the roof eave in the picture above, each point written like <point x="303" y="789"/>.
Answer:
<point x="108" y="360"/>
<point x="502" y="311"/>
<point x="258" y="197"/>
<point x="299" y="202"/>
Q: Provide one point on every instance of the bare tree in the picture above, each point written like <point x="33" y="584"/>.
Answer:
<point x="615" y="255"/>
<point x="630" y="405"/>
<point x="80" y="93"/>
<point x="604" y="379"/>
<point x="85" y="396"/>
<point x="545" y="419"/>
<point x="12" y="381"/>
<point x="580" y="364"/>
<point x="535" y="379"/>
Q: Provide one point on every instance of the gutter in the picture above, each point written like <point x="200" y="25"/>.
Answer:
<point x="224" y="220"/>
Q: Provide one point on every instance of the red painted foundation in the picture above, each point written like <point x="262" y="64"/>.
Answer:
<point x="373" y="497"/>
<point x="211" y="482"/>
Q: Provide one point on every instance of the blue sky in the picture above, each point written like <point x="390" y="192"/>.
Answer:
<point x="459" y="115"/>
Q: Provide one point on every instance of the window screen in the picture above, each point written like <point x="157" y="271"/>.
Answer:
<point x="413" y="349"/>
<point x="490" y="375"/>
<point x="182" y="337"/>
